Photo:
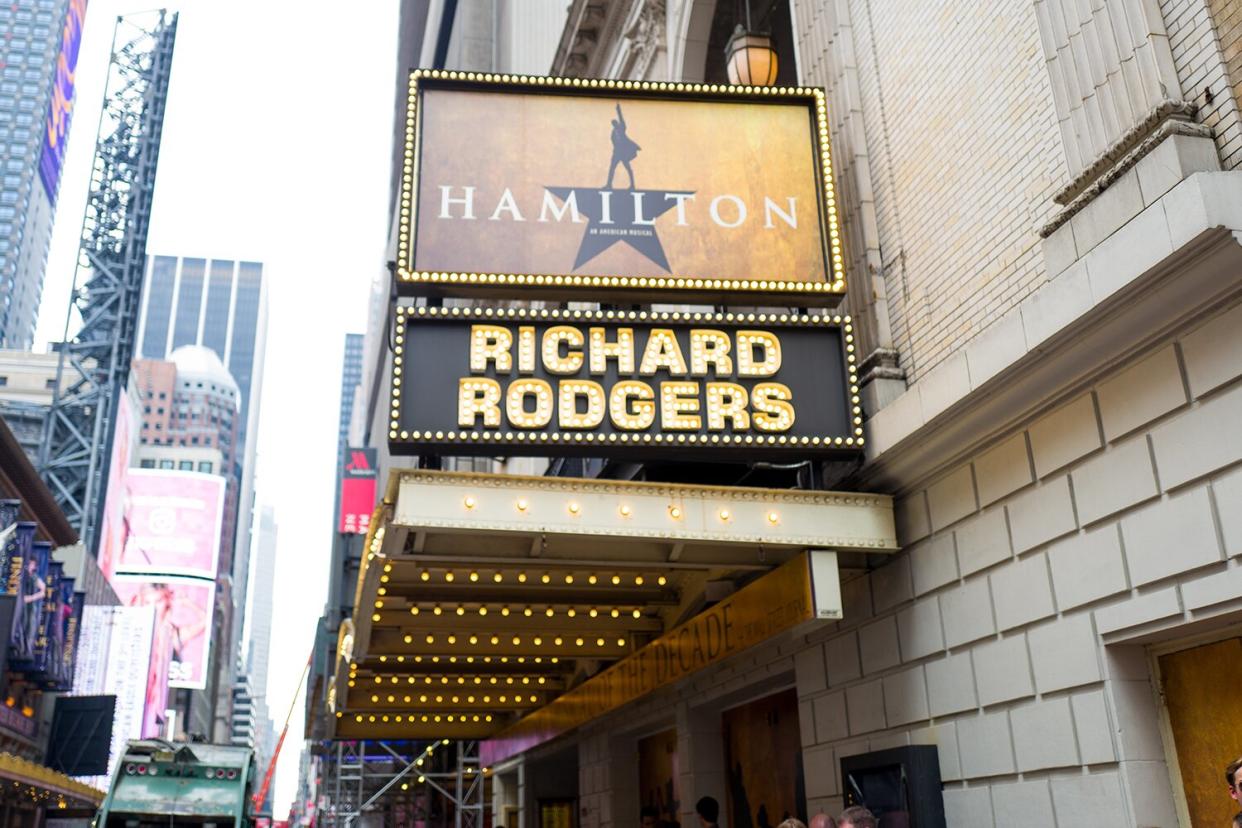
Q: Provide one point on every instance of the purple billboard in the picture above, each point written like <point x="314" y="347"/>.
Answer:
<point x="60" y="106"/>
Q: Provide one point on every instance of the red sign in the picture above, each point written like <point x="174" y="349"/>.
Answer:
<point x="359" y="478"/>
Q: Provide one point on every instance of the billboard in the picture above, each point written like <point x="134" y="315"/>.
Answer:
<point x="28" y="575"/>
<point x="112" y="523"/>
<point x="172" y="523"/>
<point x="181" y="644"/>
<point x="617" y="191"/>
<point x="358" y="486"/>
<point x="114" y="654"/>
<point x="60" y="106"/>
<point x="627" y="384"/>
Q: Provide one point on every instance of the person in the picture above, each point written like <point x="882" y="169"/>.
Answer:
<point x="624" y="150"/>
<point x="792" y="822"/>
<point x="708" y="810"/>
<point x="856" y="816"/>
<point x="1234" y="779"/>
<point x="648" y="817"/>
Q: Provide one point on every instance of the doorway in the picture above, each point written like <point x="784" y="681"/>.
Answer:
<point x="1199" y="686"/>
<point x="763" y="753"/>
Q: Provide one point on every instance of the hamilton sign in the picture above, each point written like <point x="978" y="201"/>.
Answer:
<point x="622" y="383"/>
<point x="630" y="190"/>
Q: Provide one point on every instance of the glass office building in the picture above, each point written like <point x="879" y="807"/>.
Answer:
<point x="35" y="36"/>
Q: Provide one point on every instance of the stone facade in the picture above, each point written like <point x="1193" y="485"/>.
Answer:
<point x="1044" y="216"/>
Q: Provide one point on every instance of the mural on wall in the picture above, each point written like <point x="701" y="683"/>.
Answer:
<point x="763" y="752"/>
<point x="659" y="776"/>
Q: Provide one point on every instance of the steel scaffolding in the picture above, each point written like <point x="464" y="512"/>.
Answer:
<point x="103" y="309"/>
<point x="399" y="786"/>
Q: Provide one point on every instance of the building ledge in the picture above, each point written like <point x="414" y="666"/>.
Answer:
<point x="1174" y="260"/>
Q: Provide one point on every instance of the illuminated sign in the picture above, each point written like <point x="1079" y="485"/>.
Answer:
<point x="60" y="107"/>
<point x="546" y="382"/>
<point x="622" y="189"/>
<point x="803" y="589"/>
<point x="359" y="479"/>
<point x="172" y="523"/>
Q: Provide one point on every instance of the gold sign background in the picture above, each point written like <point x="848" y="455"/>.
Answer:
<point x="527" y="142"/>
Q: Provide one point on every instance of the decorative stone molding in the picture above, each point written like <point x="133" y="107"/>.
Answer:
<point x="644" y="30"/>
<point x="581" y="38"/>
<point x="1138" y="134"/>
<point x="1169" y="118"/>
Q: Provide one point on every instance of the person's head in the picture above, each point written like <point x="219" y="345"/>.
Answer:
<point x="792" y="823"/>
<point x="648" y="817"/>
<point x="1233" y="775"/>
<point x="856" y="816"/>
<point x="708" y="810"/>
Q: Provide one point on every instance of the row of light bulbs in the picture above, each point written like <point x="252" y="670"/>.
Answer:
<point x="418" y="659"/>
<point x="527" y="612"/>
<point x="495" y="640"/>
<point x="425" y="718"/>
<point x="424" y="699"/>
<point x="574" y="508"/>
<point x="476" y="680"/>
<point x="546" y="578"/>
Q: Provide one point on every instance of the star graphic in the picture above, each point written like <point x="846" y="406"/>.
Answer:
<point x="621" y="216"/>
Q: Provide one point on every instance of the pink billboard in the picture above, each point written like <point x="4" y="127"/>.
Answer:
<point x="172" y="521"/>
<point x="112" y="526"/>
<point x="182" y="638"/>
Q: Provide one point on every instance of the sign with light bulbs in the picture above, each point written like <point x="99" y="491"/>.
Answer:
<point x="549" y="382"/>
<point x="615" y="190"/>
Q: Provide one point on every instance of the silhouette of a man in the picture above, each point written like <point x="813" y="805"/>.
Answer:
<point x="624" y="150"/>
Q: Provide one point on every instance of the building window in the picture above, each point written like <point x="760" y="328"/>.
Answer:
<point x="186" y="465"/>
<point x="4" y="381"/>
<point x="204" y="466"/>
<point x="166" y="464"/>
<point x="146" y="464"/>
<point x="51" y="384"/>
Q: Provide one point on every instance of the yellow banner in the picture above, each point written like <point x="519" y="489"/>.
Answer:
<point x="776" y="602"/>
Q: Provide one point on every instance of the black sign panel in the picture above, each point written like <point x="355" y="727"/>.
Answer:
<point x="509" y="381"/>
<point x="81" y="734"/>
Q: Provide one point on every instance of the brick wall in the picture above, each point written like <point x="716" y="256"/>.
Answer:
<point x="1206" y="39"/>
<point x="999" y="634"/>
<point x="964" y="155"/>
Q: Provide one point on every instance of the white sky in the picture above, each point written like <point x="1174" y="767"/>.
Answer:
<point x="276" y="148"/>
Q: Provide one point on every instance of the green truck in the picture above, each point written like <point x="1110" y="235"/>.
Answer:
<point x="158" y="783"/>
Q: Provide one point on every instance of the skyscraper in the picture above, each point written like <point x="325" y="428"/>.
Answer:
<point x="351" y="375"/>
<point x="220" y="304"/>
<point x="259" y="619"/>
<point x="38" y="60"/>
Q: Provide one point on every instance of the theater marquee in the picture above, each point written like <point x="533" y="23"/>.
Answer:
<point x="622" y="383"/>
<point x="600" y="188"/>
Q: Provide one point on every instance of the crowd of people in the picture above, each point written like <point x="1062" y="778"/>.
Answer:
<point x="708" y="811"/>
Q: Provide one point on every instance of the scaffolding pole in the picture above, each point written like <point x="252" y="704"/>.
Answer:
<point x="102" y="319"/>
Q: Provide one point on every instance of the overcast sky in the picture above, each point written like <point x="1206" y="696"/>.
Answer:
<point x="276" y="149"/>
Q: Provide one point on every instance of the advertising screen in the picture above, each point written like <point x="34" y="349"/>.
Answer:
<point x="173" y="521"/>
<point x="60" y="107"/>
<point x="624" y="384"/>
<point x="182" y="638"/>
<point x="599" y="188"/>
<point x="358" y="486"/>
<point x="114" y="653"/>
